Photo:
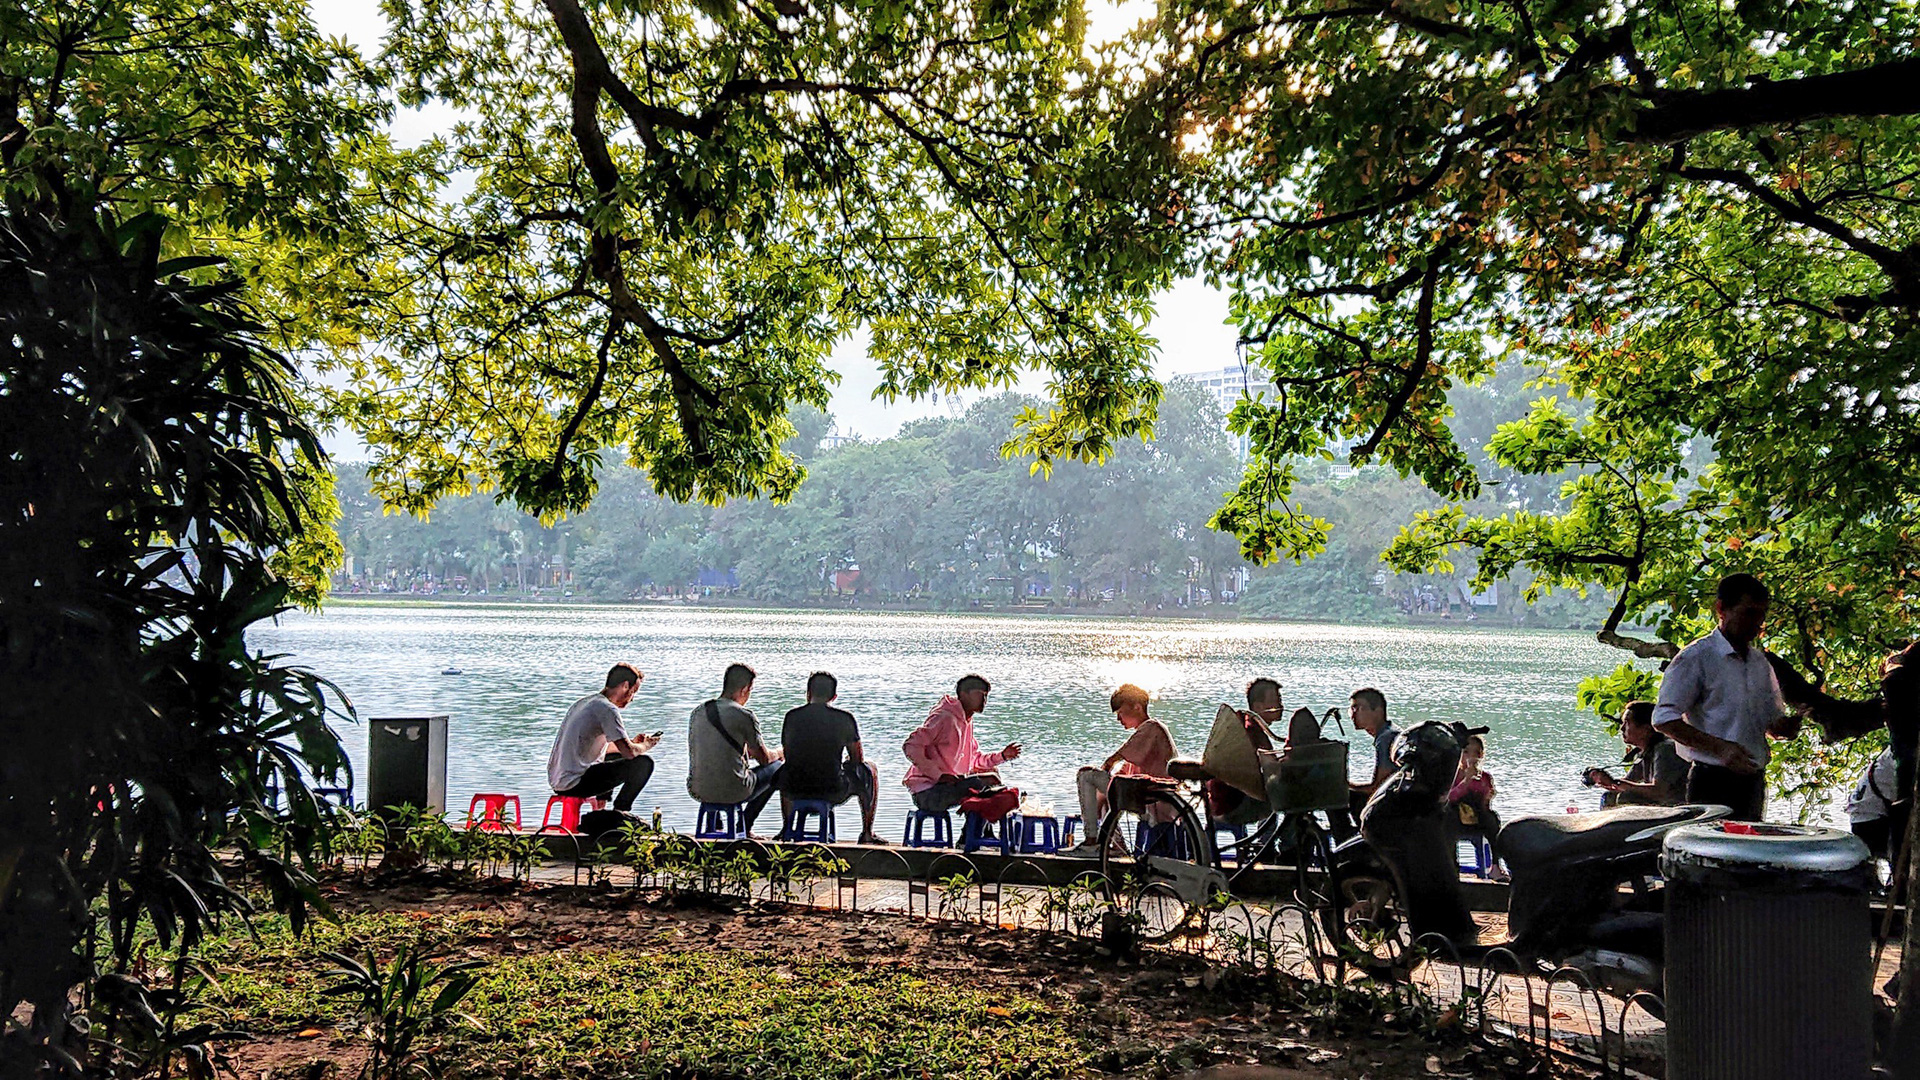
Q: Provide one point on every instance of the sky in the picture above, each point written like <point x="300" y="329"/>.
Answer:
<point x="1189" y="320"/>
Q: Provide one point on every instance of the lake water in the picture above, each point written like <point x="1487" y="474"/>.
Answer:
<point x="524" y="664"/>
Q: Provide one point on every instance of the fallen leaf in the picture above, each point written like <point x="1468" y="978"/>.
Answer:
<point x="996" y="1010"/>
<point x="1433" y="1065"/>
<point x="310" y="1033"/>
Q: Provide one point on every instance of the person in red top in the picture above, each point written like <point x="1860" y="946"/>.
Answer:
<point x="1470" y="800"/>
<point x="945" y="761"/>
<point x="1148" y="748"/>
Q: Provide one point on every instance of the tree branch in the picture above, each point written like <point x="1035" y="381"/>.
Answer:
<point x="1422" y="358"/>
<point x="1890" y="89"/>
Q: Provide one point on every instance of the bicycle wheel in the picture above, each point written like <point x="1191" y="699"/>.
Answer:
<point x="1158" y="865"/>
<point x="1247" y="853"/>
<point x="1316" y="879"/>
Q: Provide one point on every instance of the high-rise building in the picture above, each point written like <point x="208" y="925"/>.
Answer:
<point x="1230" y="383"/>
<point x="1235" y="381"/>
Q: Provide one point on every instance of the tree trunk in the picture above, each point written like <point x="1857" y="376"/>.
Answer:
<point x="1902" y="1058"/>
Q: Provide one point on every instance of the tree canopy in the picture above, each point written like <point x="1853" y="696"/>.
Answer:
<point x="1697" y="222"/>
<point x="675" y="210"/>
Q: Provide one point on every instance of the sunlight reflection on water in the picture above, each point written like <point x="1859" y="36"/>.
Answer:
<point x="524" y="664"/>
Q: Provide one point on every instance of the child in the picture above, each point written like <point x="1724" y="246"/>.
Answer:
<point x="1470" y="801"/>
<point x="1148" y="748"/>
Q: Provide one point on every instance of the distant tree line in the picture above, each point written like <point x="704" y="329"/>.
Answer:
<point x="938" y="517"/>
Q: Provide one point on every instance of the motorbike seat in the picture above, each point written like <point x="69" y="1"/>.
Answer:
<point x="1539" y="841"/>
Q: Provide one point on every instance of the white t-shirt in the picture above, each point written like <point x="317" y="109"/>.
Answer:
<point x="1715" y="689"/>
<point x="1866" y="803"/>
<point x="590" y="725"/>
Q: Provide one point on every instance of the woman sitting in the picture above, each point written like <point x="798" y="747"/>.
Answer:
<point x="1470" y="800"/>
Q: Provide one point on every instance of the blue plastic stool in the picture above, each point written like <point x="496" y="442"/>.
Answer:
<point x="914" y="835"/>
<point x="1475" y="856"/>
<point x="1070" y="827"/>
<point x="796" y="827"/>
<point x="1168" y="840"/>
<point x="978" y="833"/>
<point x="721" y="821"/>
<point x="1039" y="835"/>
<point x="1230" y="851"/>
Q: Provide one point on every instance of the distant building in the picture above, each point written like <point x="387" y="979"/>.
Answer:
<point x="1235" y="381"/>
<point x="1229" y="384"/>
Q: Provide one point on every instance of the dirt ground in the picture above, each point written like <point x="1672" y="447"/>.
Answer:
<point x="1154" y="1016"/>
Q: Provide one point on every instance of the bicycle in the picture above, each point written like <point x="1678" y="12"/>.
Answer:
<point x="1157" y="856"/>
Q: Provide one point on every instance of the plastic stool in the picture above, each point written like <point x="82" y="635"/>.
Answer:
<point x="569" y="807"/>
<point x="1070" y="827"/>
<point x="1039" y="835"/>
<point x="1166" y="839"/>
<point x="796" y="827"/>
<point x="339" y="796"/>
<point x="493" y="812"/>
<point x="721" y="821"/>
<point x="914" y="835"/>
<point x="1475" y="856"/>
<point x="978" y="833"/>
<point x="1230" y="851"/>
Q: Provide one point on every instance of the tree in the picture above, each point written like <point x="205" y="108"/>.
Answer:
<point x="677" y="209"/>
<point x="1399" y="194"/>
<point x="164" y="492"/>
<point x="1696" y="220"/>
<point x="156" y="473"/>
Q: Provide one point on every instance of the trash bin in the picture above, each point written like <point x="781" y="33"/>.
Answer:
<point x="1768" y="953"/>
<point x="407" y="762"/>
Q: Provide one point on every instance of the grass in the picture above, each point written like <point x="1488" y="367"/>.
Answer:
<point x="647" y="1012"/>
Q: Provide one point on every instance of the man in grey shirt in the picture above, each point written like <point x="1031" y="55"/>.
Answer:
<point x="575" y="767"/>
<point x="727" y="761"/>
<point x="1656" y="774"/>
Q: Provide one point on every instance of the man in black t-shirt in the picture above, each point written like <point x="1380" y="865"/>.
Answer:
<point x="822" y="745"/>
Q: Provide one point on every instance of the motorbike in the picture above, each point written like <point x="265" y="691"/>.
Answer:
<point x="1584" y="888"/>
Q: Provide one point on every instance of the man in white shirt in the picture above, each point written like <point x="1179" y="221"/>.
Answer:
<point x="1719" y="700"/>
<point x="575" y="767"/>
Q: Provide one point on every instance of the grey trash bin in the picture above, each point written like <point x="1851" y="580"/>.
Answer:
<point x="1768" y="953"/>
<point x="407" y="762"/>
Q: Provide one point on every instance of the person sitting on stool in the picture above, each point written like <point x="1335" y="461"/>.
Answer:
<point x="945" y="758"/>
<point x="1656" y="775"/>
<point x="1146" y="751"/>
<point x="575" y="767"/>
<point x="823" y="757"/>
<point x="727" y="761"/>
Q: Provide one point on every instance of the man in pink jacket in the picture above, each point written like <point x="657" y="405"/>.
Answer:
<point x="946" y="764"/>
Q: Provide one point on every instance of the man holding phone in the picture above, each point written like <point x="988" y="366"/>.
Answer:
<point x="576" y="769"/>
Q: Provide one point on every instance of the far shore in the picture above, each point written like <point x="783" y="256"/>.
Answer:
<point x="1210" y="613"/>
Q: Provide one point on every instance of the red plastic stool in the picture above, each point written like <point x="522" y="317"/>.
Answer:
<point x="569" y="806"/>
<point x="493" y="812"/>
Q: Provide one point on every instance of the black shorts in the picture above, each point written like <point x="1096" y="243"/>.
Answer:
<point x="854" y="780"/>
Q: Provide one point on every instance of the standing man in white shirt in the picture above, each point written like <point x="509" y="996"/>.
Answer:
<point x="1719" y="700"/>
<point x="575" y="767"/>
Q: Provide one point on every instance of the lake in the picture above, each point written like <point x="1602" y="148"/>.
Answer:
<point x="524" y="664"/>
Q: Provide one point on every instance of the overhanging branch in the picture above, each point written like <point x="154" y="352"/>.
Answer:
<point x="1890" y="89"/>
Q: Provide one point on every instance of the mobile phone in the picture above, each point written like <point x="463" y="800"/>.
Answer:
<point x="656" y="736"/>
